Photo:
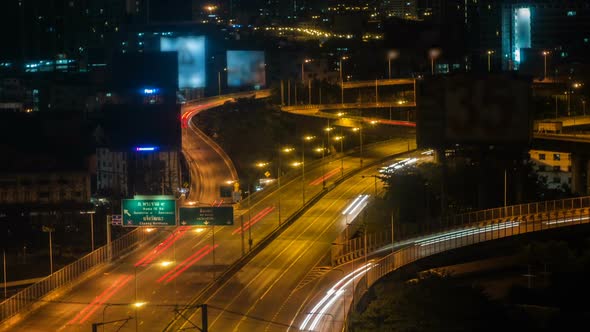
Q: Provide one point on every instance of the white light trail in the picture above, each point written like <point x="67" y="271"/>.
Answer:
<point x="351" y="205"/>
<point x="466" y="232"/>
<point x="331" y="296"/>
<point x="363" y="200"/>
<point x="563" y="221"/>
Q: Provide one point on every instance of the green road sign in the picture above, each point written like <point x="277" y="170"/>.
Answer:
<point x="149" y="211"/>
<point x="207" y="216"/>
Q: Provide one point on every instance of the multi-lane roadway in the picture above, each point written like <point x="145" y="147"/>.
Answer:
<point x="264" y="295"/>
<point x="182" y="262"/>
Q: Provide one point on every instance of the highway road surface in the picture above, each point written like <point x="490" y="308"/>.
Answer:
<point x="181" y="262"/>
<point x="270" y="292"/>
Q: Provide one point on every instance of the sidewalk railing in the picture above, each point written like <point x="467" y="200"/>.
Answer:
<point x="518" y="210"/>
<point x="355" y="248"/>
<point x="24" y="300"/>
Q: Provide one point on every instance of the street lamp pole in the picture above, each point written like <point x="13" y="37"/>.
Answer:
<point x="279" y="183"/>
<point x="219" y="83"/>
<point x="302" y="72"/>
<point x="545" y="53"/>
<point x="4" y="270"/>
<point x="50" y="252"/>
<point x="92" y="230"/>
<point x="490" y="52"/>
<point x="303" y="167"/>
<point x="341" y="80"/>
<point x="361" y="143"/>
<point x="309" y="93"/>
<point x="341" y="139"/>
<point x="389" y="61"/>
<point x="434" y="53"/>
<point x="432" y="65"/>
<point x="249" y="221"/>
<point x="391" y="55"/>
<point x="372" y="176"/>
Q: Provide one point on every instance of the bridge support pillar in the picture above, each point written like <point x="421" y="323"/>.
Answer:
<point x="577" y="184"/>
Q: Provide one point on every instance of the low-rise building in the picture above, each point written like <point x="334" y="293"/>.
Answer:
<point x="555" y="167"/>
<point x="44" y="187"/>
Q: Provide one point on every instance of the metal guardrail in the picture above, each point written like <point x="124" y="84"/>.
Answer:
<point x="518" y="210"/>
<point x="319" y="107"/>
<point x="24" y="300"/>
<point x="381" y="82"/>
<point x="354" y="248"/>
<point x="257" y="94"/>
<point x="471" y="234"/>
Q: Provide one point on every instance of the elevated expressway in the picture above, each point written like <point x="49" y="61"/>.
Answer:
<point x="209" y="165"/>
<point x="169" y="270"/>
<point x="291" y="284"/>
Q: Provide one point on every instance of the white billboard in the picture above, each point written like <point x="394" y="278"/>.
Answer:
<point x="246" y="68"/>
<point x="191" y="59"/>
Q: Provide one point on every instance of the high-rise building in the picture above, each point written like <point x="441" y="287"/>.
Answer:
<point x="76" y="29"/>
<point x="531" y="27"/>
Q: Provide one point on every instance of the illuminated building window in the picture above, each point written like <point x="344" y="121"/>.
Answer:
<point x="571" y="13"/>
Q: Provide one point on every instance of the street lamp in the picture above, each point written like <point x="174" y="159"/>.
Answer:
<point x="137" y="305"/>
<point x="391" y="55"/>
<point x="372" y="176"/>
<point x="261" y="164"/>
<point x="490" y="52"/>
<point x="433" y="53"/>
<point x="341" y="80"/>
<point x="219" y="81"/>
<point x="281" y="150"/>
<point x="303" y="77"/>
<point x="545" y="54"/>
<point x="360" y="131"/>
<point x="91" y="213"/>
<point x="302" y="163"/>
<point x="302" y="69"/>
<point x="49" y="230"/>
<point x="341" y="140"/>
